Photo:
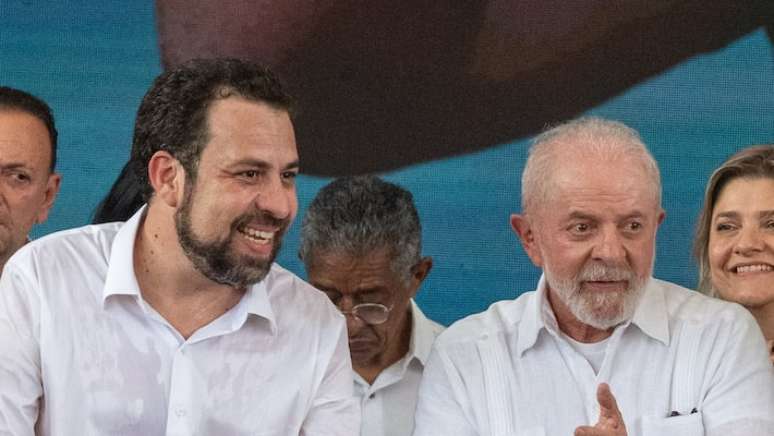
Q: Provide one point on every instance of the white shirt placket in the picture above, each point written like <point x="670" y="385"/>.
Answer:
<point x="182" y="412"/>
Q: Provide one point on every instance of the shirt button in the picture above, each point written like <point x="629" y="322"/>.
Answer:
<point x="180" y="412"/>
<point x="372" y="396"/>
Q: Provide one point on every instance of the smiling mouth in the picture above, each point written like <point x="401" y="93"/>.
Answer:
<point x="749" y="269"/>
<point x="257" y="236"/>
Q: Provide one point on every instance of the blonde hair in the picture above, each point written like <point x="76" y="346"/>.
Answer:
<point x="751" y="163"/>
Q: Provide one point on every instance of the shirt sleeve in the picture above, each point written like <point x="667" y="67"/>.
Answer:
<point x="20" y="376"/>
<point x="441" y="409"/>
<point x="335" y="410"/>
<point x="741" y="388"/>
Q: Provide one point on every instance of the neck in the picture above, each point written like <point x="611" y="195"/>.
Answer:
<point x="765" y="317"/>
<point x="168" y="281"/>
<point x="7" y="255"/>
<point x="570" y="325"/>
<point x="370" y="370"/>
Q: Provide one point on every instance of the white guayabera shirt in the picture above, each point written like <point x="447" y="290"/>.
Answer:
<point x="81" y="352"/>
<point x="685" y="365"/>
<point x="388" y="404"/>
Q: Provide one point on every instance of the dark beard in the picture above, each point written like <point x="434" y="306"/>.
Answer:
<point x="214" y="259"/>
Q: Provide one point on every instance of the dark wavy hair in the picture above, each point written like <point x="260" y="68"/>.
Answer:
<point x="173" y="114"/>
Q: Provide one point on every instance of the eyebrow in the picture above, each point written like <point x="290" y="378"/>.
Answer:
<point x="256" y="163"/>
<point x="355" y="293"/>
<point x="580" y="215"/>
<point x="735" y="215"/>
<point x="14" y="166"/>
<point x="586" y="216"/>
<point x="729" y="214"/>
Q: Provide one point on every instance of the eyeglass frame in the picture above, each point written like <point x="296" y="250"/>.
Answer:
<point x="354" y="311"/>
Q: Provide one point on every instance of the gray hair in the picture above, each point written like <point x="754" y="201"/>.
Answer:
<point x="359" y="214"/>
<point x="590" y="136"/>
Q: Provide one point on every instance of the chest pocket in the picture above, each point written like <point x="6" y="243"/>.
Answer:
<point x="685" y="425"/>
<point x="685" y="397"/>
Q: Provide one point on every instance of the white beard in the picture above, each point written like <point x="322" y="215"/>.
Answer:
<point x="601" y="310"/>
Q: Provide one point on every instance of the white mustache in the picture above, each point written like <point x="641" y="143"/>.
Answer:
<point x="599" y="272"/>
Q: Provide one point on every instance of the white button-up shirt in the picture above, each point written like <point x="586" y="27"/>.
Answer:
<point x="388" y="404"/>
<point x="81" y="352"/>
<point x="685" y="365"/>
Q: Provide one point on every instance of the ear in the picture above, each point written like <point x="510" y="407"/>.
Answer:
<point x="661" y="216"/>
<point x="418" y="274"/>
<point x="52" y="188"/>
<point x="524" y="229"/>
<point x="167" y="178"/>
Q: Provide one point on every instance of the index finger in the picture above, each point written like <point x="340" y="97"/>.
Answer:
<point x="608" y="407"/>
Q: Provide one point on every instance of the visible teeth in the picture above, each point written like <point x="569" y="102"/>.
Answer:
<point x="257" y="235"/>
<point x="753" y="268"/>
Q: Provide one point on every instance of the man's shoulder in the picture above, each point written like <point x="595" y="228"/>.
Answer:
<point x="91" y="241"/>
<point x="501" y="318"/>
<point x="292" y="295"/>
<point x="423" y="322"/>
<point x="683" y="304"/>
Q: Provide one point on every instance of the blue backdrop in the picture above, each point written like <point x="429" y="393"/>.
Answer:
<point x="92" y="61"/>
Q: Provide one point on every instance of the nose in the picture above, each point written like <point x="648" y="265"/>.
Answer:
<point x="749" y="241"/>
<point x="610" y="247"/>
<point x="353" y="322"/>
<point x="277" y="197"/>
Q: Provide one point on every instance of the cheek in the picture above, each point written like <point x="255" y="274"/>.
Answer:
<point x="718" y="251"/>
<point x="24" y="205"/>
<point x="382" y="331"/>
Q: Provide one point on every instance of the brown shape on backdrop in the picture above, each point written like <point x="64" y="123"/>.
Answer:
<point x="384" y="84"/>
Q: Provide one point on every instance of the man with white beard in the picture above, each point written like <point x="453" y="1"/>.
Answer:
<point x="550" y="362"/>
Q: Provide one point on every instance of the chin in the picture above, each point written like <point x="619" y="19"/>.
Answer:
<point x="362" y="360"/>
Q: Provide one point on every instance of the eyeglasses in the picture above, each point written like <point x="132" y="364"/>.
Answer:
<point x="370" y="313"/>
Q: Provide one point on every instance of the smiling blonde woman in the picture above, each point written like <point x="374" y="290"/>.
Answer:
<point x="735" y="236"/>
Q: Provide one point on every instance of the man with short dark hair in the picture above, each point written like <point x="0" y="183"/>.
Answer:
<point x="601" y="348"/>
<point x="361" y="245"/>
<point x="178" y="322"/>
<point x="28" y="183"/>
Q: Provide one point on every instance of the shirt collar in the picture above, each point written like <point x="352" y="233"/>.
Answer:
<point x="533" y="320"/>
<point x="651" y="313"/>
<point x="256" y="302"/>
<point x="650" y="316"/>
<point x="121" y="279"/>
<point x="422" y="335"/>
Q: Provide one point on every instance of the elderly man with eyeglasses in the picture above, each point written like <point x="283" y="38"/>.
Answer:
<point x="361" y="245"/>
